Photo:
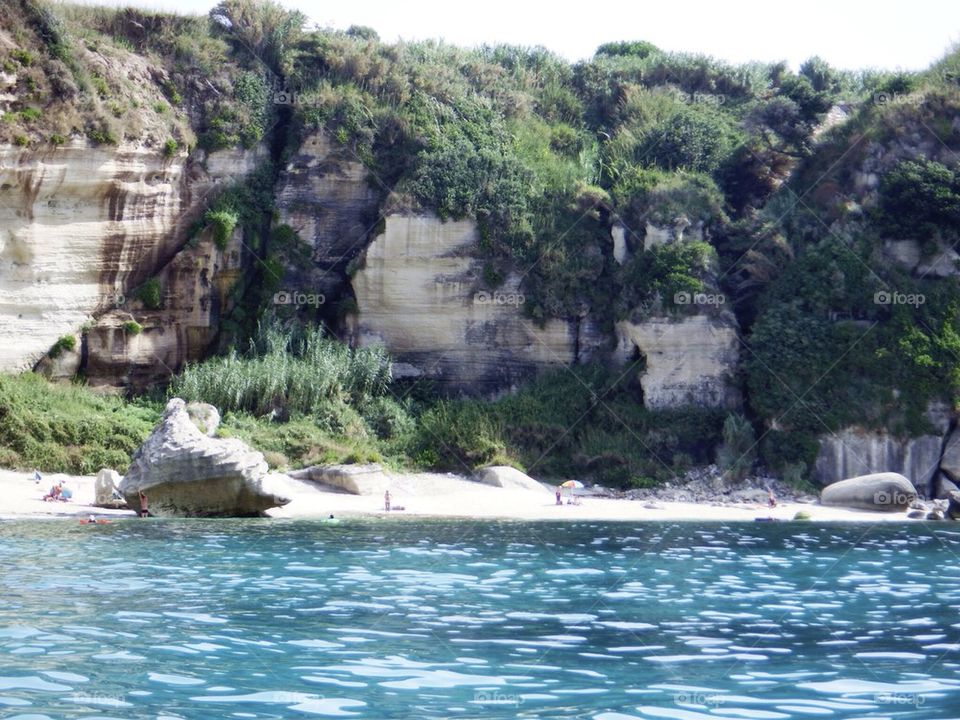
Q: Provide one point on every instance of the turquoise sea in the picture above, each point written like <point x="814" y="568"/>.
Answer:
<point x="166" y="619"/>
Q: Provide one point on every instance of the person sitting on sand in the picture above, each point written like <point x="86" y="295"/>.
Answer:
<point x="53" y="495"/>
<point x="772" y="499"/>
<point x="143" y="505"/>
<point x="386" y="501"/>
<point x="66" y="494"/>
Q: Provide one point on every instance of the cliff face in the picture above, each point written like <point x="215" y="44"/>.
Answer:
<point x="419" y="293"/>
<point x="691" y="360"/>
<point x="82" y="227"/>
<point x="324" y="195"/>
<point x="855" y="451"/>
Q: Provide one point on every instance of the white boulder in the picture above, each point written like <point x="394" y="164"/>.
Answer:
<point x="185" y="473"/>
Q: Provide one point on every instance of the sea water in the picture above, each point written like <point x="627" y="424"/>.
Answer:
<point x="167" y="619"/>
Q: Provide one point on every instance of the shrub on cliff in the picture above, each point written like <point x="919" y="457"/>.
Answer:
<point x="265" y="30"/>
<point x="920" y="199"/>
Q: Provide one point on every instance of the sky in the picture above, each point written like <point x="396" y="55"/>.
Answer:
<point x="849" y="34"/>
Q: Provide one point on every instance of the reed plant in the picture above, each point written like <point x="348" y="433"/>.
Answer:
<point x="285" y="373"/>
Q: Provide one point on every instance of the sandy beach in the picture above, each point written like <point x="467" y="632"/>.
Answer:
<point x="432" y="495"/>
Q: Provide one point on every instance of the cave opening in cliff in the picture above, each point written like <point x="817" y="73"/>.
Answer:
<point x="636" y="366"/>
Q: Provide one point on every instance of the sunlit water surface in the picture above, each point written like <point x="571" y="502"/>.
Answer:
<point x="406" y="619"/>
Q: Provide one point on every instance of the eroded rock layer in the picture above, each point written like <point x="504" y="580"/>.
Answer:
<point x="81" y="227"/>
<point x="420" y="293"/>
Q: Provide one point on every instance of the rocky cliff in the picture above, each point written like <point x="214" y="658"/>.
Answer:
<point x="85" y="227"/>
<point x="82" y="228"/>
<point x="855" y="451"/>
<point x="420" y="293"/>
<point x="687" y="360"/>
<point x="325" y="194"/>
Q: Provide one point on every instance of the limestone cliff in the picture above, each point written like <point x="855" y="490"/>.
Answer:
<point x="81" y="226"/>
<point x="324" y="195"/>
<point x="420" y="293"/>
<point x="689" y="360"/>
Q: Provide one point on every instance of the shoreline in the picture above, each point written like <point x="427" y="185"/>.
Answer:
<point x="429" y="495"/>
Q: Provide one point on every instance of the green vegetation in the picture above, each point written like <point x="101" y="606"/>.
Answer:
<point x="22" y="56"/>
<point x="586" y="422"/>
<point x="920" y="199"/>
<point x="150" y="294"/>
<point x="66" y="428"/>
<point x="101" y="135"/>
<point x="132" y="327"/>
<point x="65" y="344"/>
<point x="170" y="148"/>
<point x="738" y="452"/>
<point x="305" y="397"/>
<point x="287" y="373"/>
<point x="222" y="223"/>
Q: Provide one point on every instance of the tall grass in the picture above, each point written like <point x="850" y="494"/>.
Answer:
<point x="287" y="373"/>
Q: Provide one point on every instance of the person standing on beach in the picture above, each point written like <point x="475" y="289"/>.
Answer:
<point x="559" y="493"/>
<point x="386" y="501"/>
<point x="143" y="505"/>
<point x="37" y="477"/>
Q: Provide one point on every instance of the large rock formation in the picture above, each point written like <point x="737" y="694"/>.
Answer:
<point x="185" y="473"/>
<point x="885" y="492"/>
<point x="855" y="451"/>
<point x="420" y="293"/>
<point x="80" y="227"/>
<point x="690" y="359"/>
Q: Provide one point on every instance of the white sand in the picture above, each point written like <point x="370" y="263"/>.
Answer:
<point x="20" y="496"/>
<point x="429" y="495"/>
